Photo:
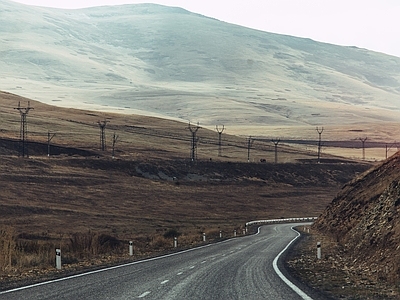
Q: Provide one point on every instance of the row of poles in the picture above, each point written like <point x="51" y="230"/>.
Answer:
<point x="192" y="128"/>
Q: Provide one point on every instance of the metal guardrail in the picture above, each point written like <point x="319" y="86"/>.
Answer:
<point x="288" y="220"/>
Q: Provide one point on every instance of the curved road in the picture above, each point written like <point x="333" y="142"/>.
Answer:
<point x="240" y="268"/>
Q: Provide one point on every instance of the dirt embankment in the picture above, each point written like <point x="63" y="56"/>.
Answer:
<point x="360" y="234"/>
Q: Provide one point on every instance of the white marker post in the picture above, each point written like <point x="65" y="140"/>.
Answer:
<point x="58" y="259"/>
<point x="244" y="231"/>
<point x="319" y="250"/>
<point x="234" y="233"/>
<point x="204" y="236"/>
<point x="220" y="234"/>
<point x="175" y="242"/>
<point x="130" y="248"/>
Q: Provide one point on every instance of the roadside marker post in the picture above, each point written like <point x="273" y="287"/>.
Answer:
<point x="58" y="259"/>
<point x="234" y="233"/>
<point x="175" y="242"/>
<point x="220" y="234"/>
<point x="319" y="250"/>
<point x="130" y="248"/>
<point x="244" y="231"/>
<point x="204" y="236"/>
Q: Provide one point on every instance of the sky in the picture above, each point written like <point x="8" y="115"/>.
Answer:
<point x="370" y="24"/>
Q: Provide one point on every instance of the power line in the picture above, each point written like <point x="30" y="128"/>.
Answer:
<point x="276" y="142"/>
<point x="102" y="125"/>
<point x="23" y="133"/>
<point x="193" y="130"/>
<point x="49" y="138"/>
<point x="219" y="130"/>
<point x="115" y="139"/>
<point x="250" y="142"/>
<point x="319" y="142"/>
<point x="363" y="140"/>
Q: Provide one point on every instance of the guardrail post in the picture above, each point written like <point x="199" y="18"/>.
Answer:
<point x="204" y="236"/>
<point x="58" y="259"/>
<point x="175" y="242"/>
<point x="319" y="250"/>
<point x="130" y="248"/>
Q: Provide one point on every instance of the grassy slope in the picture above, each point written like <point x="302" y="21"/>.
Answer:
<point x="173" y="63"/>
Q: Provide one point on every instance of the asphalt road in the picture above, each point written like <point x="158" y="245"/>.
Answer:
<point x="240" y="268"/>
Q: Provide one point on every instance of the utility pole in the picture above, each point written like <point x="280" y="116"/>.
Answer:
<point x="102" y="125"/>
<point x="193" y="130"/>
<point x="49" y="138"/>
<point x="276" y="142"/>
<point x="250" y="142"/>
<point x="23" y="128"/>
<point x="115" y="139"/>
<point x="390" y="147"/>
<point x="219" y="130"/>
<point x="363" y="140"/>
<point x="319" y="142"/>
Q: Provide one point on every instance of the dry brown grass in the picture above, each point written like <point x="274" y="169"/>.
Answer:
<point x="91" y="205"/>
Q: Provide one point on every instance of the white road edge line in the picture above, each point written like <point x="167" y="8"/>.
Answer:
<point x="109" y="268"/>
<point x="287" y="281"/>
<point x="112" y="268"/>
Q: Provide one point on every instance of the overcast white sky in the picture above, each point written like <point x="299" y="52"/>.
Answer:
<point x="371" y="24"/>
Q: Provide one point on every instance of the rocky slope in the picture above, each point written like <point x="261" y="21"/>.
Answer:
<point x="364" y="220"/>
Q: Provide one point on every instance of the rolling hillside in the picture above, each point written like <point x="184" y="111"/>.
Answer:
<point x="168" y="62"/>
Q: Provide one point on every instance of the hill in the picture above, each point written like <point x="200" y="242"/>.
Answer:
<point x="168" y="62"/>
<point x="360" y="232"/>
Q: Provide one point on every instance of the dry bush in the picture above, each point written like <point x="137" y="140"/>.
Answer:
<point x="89" y="244"/>
<point x="160" y="243"/>
<point x="7" y="247"/>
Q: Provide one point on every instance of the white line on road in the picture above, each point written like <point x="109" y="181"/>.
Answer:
<point x="109" y="268"/>
<point x="144" y="294"/>
<point x="164" y="282"/>
<point x="285" y="280"/>
<point x="180" y="273"/>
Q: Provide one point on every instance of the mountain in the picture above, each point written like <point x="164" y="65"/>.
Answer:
<point x="364" y="220"/>
<point x="169" y="62"/>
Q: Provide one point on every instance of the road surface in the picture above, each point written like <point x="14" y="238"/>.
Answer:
<point x="239" y="268"/>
